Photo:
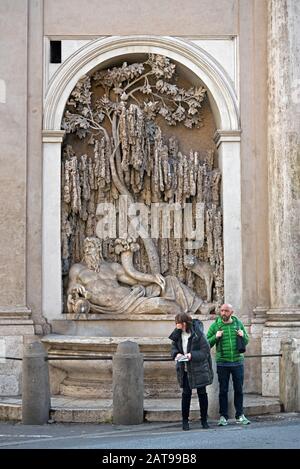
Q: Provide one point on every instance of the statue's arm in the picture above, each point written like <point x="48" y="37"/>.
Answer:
<point x="140" y="277"/>
<point x="123" y="277"/>
<point x="75" y="288"/>
<point x="74" y="281"/>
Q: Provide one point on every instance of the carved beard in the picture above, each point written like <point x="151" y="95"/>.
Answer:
<point x="93" y="261"/>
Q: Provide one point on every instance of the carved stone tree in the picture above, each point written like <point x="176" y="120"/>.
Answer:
<point x="115" y="146"/>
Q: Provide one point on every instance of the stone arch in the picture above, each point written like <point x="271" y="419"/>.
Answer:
<point x="225" y="107"/>
<point x="221" y="92"/>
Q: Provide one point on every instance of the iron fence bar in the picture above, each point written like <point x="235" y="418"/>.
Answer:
<point x="11" y="358"/>
<point x="146" y="359"/>
<point x="264" y="355"/>
<point x="103" y="357"/>
<point x="158" y="359"/>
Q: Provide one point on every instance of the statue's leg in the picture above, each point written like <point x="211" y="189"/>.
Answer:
<point x="157" y="306"/>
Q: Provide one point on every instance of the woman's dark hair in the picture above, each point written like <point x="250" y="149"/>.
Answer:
<point x="180" y="318"/>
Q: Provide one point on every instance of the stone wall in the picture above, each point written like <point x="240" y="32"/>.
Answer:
<point x="21" y="77"/>
<point x="227" y="17"/>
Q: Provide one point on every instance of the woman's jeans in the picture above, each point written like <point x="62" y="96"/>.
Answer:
<point x="186" y="400"/>
<point x="236" y="370"/>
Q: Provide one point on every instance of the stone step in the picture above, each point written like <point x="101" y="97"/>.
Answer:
<point x="68" y="409"/>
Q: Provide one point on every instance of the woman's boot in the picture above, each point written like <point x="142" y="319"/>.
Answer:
<point x="185" y="410"/>
<point x="203" y="404"/>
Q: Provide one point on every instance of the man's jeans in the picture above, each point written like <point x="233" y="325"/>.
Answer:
<point x="237" y="372"/>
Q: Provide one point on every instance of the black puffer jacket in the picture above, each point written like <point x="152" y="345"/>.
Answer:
<point x="199" y="368"/>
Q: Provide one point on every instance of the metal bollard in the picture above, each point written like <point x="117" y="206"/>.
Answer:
<point x="35" y="385"/>
<point x="128" y="385"/>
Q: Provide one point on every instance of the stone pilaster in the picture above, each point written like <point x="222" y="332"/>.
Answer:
<point x="283" y="318"/>
<point x="35" y="164"/>
<point x="15" y="312"/>
<point x="284" y="152"/>
<point x="228" y="144"/>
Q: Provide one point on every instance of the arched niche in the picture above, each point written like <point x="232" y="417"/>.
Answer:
<point x="224" y="105"/>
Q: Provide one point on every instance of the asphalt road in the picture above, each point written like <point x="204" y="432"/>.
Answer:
<point x="281" y="431"/>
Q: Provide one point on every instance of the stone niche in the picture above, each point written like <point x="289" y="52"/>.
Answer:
<point x="142" y="131"/>
<point x="140" y="128"/>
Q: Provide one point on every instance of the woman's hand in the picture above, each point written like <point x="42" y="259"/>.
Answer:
<point x="179" y="355"/>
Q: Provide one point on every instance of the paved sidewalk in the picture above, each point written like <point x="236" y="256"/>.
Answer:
<point x="276" y="431"/>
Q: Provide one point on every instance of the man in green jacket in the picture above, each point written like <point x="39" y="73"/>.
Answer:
<point x="223" y="333"/>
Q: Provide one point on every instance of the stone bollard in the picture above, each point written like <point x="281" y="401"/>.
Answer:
<point x="35" y="385"/>
<point x="289" y="376"/>
<point x="128" y="385"/>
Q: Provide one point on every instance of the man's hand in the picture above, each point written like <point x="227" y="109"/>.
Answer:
<point x="188" y="356"/>
<point x="219" y="334"/>
<point x="71" y="299"/>
<point x="79" y="289"/>
<point x="240" y="332"/>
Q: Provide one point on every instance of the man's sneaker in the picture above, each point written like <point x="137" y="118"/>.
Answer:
<point x="222" y="422"/>
<point x="243" y="420"/>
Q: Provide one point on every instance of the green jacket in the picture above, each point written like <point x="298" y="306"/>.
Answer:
<point x="226" y="346"/>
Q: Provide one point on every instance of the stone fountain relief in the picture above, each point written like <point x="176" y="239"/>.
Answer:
<point x="141" y="217"/>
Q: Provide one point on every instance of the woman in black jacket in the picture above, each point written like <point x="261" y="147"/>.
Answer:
<point x="191" y="352"/>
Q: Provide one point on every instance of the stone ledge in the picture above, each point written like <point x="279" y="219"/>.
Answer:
<point x="10" y="411"/>
<point x="131" y="317"/>
<point x="66" y="409"/>
<point x="15" y="312"/>
<point x="16" y="329"/>
<point x="283" y="317"/>
<point x="75" y="344"/>
<point x="15" y="321"/>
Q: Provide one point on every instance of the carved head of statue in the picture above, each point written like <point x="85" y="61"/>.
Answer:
<point x="92" y="253"/>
